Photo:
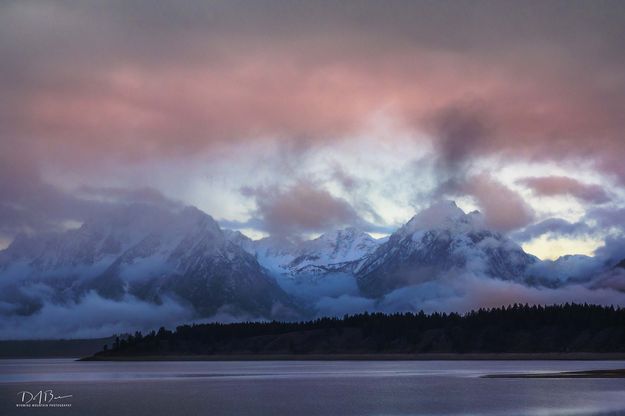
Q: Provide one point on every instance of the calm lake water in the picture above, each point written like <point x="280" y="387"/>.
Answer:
<point x="308" y="388"/>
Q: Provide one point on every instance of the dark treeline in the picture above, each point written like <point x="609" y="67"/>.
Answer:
<point x="512" y="329"/>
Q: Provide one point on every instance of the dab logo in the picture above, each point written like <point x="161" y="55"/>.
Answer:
<point x="42" y="398"/>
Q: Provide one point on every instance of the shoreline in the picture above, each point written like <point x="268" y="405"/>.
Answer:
<point x="372" y="357"/>
<point x="617" y="373"/>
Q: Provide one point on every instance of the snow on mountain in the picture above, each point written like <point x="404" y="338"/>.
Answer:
<point x="240" y="240"/>
<point x="101" y="240"/>
<point x="441" y="239"/>
<point x="274" y="253"/>
<point x="335" y="251"/>
<point x="565" y="269"/>
<point x="156" y="254"/>
<point x="147" y="252"/>
<point x="444" y="215"/>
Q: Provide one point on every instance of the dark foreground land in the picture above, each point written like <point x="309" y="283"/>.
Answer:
<point x="514" y="332"/>
<point x="618" y="373"/>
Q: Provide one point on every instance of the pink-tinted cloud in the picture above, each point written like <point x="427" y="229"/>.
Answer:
<point x="85" y="84"/>
<point x="561" y="185"/>
<point x="301" y="208"/>
<point x="503" y="208"/>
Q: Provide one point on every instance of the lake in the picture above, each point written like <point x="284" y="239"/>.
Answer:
<point x="303" y="388"/>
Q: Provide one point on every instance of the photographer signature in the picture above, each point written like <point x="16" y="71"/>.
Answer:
<point x="40" y="397"/>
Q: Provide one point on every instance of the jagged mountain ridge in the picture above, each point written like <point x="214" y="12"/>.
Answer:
<point x="155" y="253"/>
<point x="150" y="253"/>
<point x="441" y="239"/>
<point x="336" y="251"/>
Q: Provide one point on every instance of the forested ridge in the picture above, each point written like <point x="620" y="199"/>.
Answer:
<point x="511" y="329"/>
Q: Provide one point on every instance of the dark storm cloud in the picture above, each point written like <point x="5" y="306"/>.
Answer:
<point x="561" y="185"/>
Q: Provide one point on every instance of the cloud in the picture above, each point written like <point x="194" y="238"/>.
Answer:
<point x="555" y="226"/>
<point x="301" y="208"/>
<point x="112" y="97"/>
<point x="596" y="221"/>
<point x="503" y="208"/>
<point x="475" y="292"/>
<point x="145" y="195"/>
<point x="561" y="185"/>
<point x="612" y="251"/>
<point x="134" y="82"/>
<point x="35" y="310"/>
<point x="93" y="316"/>
<point x="349" y="182"/>
<point x="611" y="279"/>
<point x="607" y="217"/>
<point x="460" y="133"/>
<point x="29" y="204"/>
<point x="580" y="279"/>
<point x="568" y="269"/>
<point x="465" y="292"/>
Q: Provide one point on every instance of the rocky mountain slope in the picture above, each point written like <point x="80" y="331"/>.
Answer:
<point x="147" y="252"/>
<point x="158" y="254"/>
<point x="336" y="251"/>
<point x="441" y="239"/>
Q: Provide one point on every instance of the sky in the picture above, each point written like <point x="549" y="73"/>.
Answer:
<point x="291" y="118"/>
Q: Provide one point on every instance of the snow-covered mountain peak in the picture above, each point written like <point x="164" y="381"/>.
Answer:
<point x="326" y="253"/>
<point x="340" y="246"/>
<point x="148" y="252"/>
<point x="443" y="215"/>
<point x="193" y="217"/>
<point x="335" y="251"/>
<point x="343" y="233"/>
<point x="139" y="219"/>
<point x="439" y="240"/>
<point x="144" y="228"/>
<point x="346" y="235"/>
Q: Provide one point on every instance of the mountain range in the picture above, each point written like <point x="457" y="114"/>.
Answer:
<point x="153" y="254"/>
<point x="146" y="252"/>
